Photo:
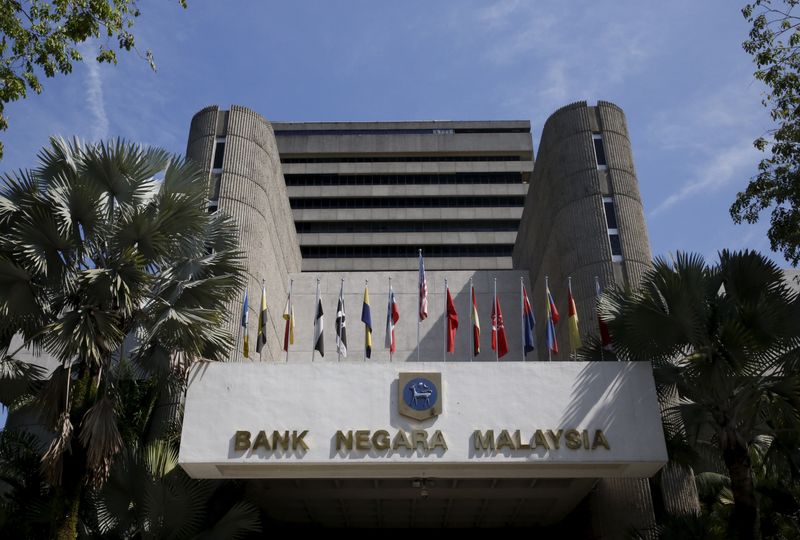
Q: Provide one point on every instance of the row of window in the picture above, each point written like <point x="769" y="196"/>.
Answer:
<point x="400" y="179"/>
<point x="396" y="159"/>
<point x="502" y="225"/>
<point x="394" y="131"/>
<point x="407" y="202"/>
<point x="334" y="252"/>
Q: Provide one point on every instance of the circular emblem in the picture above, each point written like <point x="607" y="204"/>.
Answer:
<point x="420" y="394"/>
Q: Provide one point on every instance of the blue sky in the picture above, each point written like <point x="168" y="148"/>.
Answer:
<point x="676" y="68"/>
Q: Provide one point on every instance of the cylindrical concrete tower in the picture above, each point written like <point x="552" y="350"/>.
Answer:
<point x="583" y="215"/>
<point x="238" y="151"/>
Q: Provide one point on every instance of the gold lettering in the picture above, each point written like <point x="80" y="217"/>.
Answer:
<point x="241" y="441"/>
<point x="555" y="437"/>
<point x="573" y="439"/>
<point x="344" y="442"/>
<point x="297" y="440"/>
<point x="539" y="440"/>
<point x="504" y="440"/>
<point x="261" y="440"/>
<point x="401" y="440"/>
<point x="437" y="441"/>
<point x="380" y="440"/>
<point x="585" y="439"/>
<point x="420" y="437"/>
<point x="362" y="440"/>
<point x="518" y="441"/>
<point x="483" y="442"/>
<point x="283" y="440"/>
<point x="600" y="440"/>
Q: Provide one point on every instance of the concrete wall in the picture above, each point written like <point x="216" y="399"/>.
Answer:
<point x="563" y="229"/>
<point x="253" y="192"/>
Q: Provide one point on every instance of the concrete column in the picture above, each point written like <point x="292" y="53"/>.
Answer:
<point x="253" y="192"/>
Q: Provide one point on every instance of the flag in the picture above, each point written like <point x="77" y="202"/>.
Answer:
<point x="476" y="325"/>
<point x="366" y="318"/>
<point x="528" y="322"/>
<point x="605" y="335"/>
<point x="341" y="330"/>
<point x="261" y="338"/>
<point x="245" y="318"/>
<point x="392" y="316"/>
<point x="288" y="315"/>
<point x="423" y="290"/>
<point x="452" y="323"/>
<point x="499" y="341"/>
<point x="552" y="319"/>
<point x="319" y="323"/>
<point x="572" y="321"/>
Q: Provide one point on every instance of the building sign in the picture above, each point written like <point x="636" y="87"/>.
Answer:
<point x="559" y="419"/>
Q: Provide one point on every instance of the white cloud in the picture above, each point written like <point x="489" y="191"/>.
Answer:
<point x="94" y="99"/>
<point x="721" y="169"/>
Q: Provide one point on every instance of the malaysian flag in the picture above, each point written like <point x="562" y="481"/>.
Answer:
<point x="423" y="290"/>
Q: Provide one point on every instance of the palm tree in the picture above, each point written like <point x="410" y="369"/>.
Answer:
<point x="109" y="258"/>
<point x="726" y="340"/>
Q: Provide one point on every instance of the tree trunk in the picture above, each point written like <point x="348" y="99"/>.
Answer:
<point x="744" y="520"/>
<point x="68" y="528"/>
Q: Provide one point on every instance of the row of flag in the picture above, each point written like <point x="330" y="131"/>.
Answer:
<point x="499" y="341"/>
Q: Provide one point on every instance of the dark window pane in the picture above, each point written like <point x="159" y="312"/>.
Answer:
<point x="611" y="215"/>
<point x="599" y="152"/>
<point x="219" y="153"/>
<point x="616" y="248"/>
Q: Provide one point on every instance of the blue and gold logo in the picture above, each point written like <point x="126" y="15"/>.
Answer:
<point x="420" y="395"/>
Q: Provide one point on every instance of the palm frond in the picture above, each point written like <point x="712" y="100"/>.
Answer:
<point x="242" y="518"/>
<point x="101" y="438"/>
<point x="53" y="459"/>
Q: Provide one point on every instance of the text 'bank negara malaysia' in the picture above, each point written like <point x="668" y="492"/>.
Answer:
<point x="402" y="277"/>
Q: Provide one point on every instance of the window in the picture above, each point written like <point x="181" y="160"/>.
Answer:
<point x="219" y="154"/>
<point x="613" y="229"/>
<point x="599" y="151"/>
<point x="611" y="214"/>
<point x="215" y="182"/>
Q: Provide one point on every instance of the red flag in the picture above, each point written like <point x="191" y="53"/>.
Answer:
<point x="499" y="341"/>
<point x="452" y="323"/>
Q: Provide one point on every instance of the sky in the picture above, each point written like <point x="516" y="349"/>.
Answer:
<point x="677" y="70"/>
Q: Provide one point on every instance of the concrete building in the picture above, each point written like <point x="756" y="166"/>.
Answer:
<point x="345" y="205"/>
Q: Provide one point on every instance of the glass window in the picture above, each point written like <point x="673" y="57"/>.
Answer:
<point x="215" y="183"/>
<point x="611" y="214"/>
<point x="599" y="152"/>
<point x="616" y="247"/>
<point x="219" y="153"/>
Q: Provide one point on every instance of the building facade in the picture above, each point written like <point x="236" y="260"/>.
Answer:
<point x="337" y="207"/>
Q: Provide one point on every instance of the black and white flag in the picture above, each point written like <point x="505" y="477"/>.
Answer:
<point x="319" y="341"/>
<point x="341" y="330"/>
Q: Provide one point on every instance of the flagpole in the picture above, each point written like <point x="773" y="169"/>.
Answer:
<point x="290" y="321"/>
<point x="522" y="319"/>
<point x="471" y="329"/>
<point x="597" y="313"/>
<point x="569" y="307"/>
<point x="446" y="319"/>
<point x="496" y="324"/>
<point x="549" y="317"/>
<point x="260" y="315"/>
<point x="338" y="330"/>
<point x="316" y="307"/>
<point x="419" y="305"/>
<point x="389" y="315"/>
<point x="366" y="286"/>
